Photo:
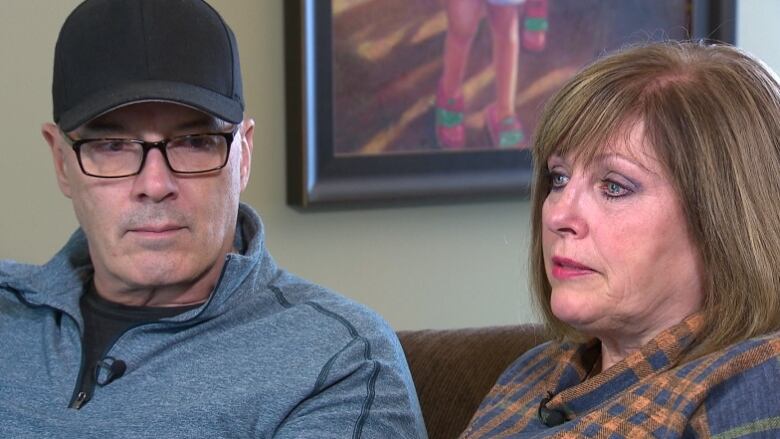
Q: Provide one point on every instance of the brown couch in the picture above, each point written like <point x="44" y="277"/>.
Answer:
<point x="454" y="369"/>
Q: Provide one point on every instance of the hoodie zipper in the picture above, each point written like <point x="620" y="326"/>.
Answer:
<point x="81" y="399"/>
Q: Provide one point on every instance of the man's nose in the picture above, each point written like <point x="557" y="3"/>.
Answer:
<point x="156" y="182"/>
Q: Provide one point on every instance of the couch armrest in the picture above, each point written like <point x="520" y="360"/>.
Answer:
<point x="454" y="369"/>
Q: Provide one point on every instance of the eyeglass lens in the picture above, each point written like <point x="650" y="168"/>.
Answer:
<point x="121" y="157"/>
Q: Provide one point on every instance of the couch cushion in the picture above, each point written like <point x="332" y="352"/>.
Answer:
<point x="454" y="369"/>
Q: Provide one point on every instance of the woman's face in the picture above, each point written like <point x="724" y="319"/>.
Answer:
<point x="617" y="251"/>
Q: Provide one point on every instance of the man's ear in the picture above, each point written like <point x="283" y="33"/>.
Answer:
<point x="51" y="133"/>
<point x="247" y="144"/>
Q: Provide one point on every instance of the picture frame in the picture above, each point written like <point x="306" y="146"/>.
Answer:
<point x="350" y="143"/>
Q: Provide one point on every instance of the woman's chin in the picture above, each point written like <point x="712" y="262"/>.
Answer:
<point x="572" y="308"/>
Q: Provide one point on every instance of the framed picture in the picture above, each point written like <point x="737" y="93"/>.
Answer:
<point x="392" y="101"/>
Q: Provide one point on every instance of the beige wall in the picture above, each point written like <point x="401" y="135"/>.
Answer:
<point x="443" y="266"/>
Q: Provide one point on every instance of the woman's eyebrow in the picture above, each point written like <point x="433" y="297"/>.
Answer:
<point x="613" y="156"/>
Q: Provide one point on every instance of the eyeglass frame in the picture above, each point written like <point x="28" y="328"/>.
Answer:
<point x="148" y="146"/>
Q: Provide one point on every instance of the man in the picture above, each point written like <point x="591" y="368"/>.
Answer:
<point x="164" y="315"/>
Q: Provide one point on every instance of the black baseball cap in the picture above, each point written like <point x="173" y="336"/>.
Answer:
<point x="112" y="53"/>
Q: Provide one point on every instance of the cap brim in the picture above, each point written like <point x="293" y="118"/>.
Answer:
<point x="199" y="98"/>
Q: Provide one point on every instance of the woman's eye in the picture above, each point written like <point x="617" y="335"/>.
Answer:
<point x="558" y="180"/>
<point x="615" y="190"/>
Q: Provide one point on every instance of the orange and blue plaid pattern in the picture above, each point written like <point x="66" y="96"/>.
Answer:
<point x="732" y="393"/>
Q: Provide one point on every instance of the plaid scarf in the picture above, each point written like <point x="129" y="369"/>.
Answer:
<point x="731" y="393"/>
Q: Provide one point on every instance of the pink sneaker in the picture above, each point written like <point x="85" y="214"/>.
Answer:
<point x="450" y="132"/>
<point x="534" y="36"/>
<point x="506" y="133"/>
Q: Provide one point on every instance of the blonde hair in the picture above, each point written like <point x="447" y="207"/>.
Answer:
<point x="712" y="115"/>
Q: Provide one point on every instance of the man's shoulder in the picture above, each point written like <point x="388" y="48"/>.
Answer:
<point x="64" y="271"/>
<point x="12" y="274"/>
<point x="13" y="269"/>
<point x="324" y="304"/>
<point x="16" y="275"/>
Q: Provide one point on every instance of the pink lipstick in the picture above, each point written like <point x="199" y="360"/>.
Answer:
<point x="564" y="268"/>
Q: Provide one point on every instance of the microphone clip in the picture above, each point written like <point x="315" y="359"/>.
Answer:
<point x="108" y="370"/>
<point x="550" y="417"/>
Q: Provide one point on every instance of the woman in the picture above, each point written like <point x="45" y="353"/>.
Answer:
<point x="655" y="257"/>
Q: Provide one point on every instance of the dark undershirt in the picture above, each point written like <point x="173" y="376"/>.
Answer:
<point x="105" y="321"/>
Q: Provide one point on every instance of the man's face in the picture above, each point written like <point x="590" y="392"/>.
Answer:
<point x="157" y="230"/>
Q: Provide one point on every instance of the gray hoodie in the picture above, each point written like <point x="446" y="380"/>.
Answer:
<point x="268" y="355"/>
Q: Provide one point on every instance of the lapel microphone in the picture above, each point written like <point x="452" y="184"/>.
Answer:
<point x="553" y="417"/>
<point x="109" y="369"/>
<point x="550" y="417"/>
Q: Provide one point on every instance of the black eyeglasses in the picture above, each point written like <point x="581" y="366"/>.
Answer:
<point x="116" y="158"/>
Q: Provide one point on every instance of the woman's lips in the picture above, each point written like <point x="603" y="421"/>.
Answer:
<point x="564" y="268"/>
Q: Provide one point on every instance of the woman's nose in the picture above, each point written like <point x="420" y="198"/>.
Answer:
<point x="563" y="212"/>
